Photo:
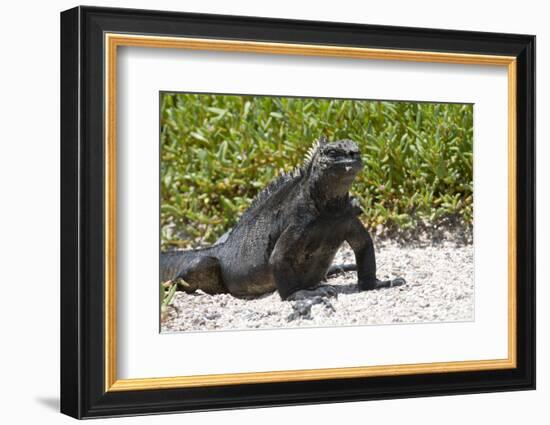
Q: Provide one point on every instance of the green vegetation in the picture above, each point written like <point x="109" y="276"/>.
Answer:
<point x="167" y="292"/>
<point x="218" y="151"/>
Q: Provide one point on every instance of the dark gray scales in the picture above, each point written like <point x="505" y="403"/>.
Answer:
<point x="288" y="237"/>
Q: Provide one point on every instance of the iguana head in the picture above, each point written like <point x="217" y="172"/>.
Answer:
<point x="339" y="159"/>
<point x="330" y="168"/>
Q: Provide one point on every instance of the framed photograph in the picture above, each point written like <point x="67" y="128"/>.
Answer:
<point x="261" y="212"/>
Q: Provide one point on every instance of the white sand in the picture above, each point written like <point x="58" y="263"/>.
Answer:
<point x="440" y="288"/>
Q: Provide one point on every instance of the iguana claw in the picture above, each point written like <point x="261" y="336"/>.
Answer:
<point x="379" y="284"/>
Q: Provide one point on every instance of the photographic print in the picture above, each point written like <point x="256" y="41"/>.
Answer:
<point x="282" y="212"/>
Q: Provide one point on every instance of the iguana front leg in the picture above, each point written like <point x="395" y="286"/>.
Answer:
<point x="361" y="242"/>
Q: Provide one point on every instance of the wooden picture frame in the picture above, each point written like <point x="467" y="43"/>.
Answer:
<point x="90" y="39"/>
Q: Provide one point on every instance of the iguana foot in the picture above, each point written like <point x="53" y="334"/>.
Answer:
<point x="302" y="308"/>
<point x="304" y="299"/>
<point x="321" y="290"/>
<point x="378" y="284"/>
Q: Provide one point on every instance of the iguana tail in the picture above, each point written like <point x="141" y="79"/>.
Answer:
<point x="171" y="263"/>
<point x="193" y="269"/>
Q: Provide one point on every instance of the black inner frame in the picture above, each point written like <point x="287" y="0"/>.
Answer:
<point x="82" y="212"/>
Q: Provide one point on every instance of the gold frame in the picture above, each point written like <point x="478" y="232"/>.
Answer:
<point x="113" y="41"/>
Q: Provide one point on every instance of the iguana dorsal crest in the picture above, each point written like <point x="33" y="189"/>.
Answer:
<point x="313" y="151"/>
<point x="286" y="177"/>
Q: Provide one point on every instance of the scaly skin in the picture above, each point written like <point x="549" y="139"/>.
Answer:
<point x="287" y="239"/>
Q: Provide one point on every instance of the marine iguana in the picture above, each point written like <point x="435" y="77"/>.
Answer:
<point x="288" y="237"/>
